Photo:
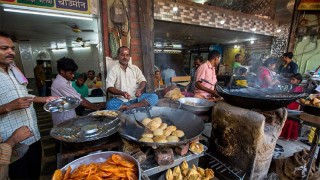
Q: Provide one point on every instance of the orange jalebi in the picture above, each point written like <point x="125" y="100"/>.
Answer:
<point x="114" y="168"/>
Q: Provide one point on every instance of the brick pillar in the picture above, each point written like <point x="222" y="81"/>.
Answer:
<point x="135" y="41"/>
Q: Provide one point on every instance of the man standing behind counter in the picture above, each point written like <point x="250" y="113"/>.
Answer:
<point x="126" y="82"/>
<point x="288" y="67"/>
<point x="207" y="71"/>
<point x="16" y="110"/>
<point x="61" y="86"/>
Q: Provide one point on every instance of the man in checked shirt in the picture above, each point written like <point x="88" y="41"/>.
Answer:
<point x="16" y="110"/>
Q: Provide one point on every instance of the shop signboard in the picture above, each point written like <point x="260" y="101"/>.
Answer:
<point x="77" y="6"/>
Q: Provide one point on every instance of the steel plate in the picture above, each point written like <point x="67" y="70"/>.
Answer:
<point x="86" y="128"/>
<point x="99" y="158"/>
<point x="62" y="104"/>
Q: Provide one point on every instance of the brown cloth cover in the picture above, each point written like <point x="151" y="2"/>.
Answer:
<point x="294" y="167"/>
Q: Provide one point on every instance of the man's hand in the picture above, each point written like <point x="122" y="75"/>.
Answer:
<point x="126" y="95"/>
<point x="19" y="135"/>
<point x="51" y="98"/>
<point x="20" y="103"/>
<point x="138" y="93"/>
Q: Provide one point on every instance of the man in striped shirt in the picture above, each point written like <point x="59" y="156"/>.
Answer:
<point x="16" y="110"/>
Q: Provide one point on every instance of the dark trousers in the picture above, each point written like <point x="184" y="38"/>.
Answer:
<point x="29" y="166"/>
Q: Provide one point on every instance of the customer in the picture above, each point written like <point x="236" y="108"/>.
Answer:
<point x="290" y="130"/>
<point x="265" y="74"/>
<point x="80" y="86"/>
<point x="8" y="156"/>
<point x="61" y="86"/>
<point x="241" y="79"/>
<point x="98" y="81"/>
<point x="207" y="71"/>
<point x="91" y="81"/>
<point x="40" y="77"/>
<point x="167" y="74"/>
<point x="236" y="63"/>
<point x="158" y="82"/>
<point x="196" y="63"/>
<point x="16" y="110"/>
<point x="288" y="67"/>
<point x="127" y="83"/>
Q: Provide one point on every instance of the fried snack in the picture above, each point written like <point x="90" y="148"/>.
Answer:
<point x="115" y="167"/>
<point x="185" y="172"/>
<point x="171" y="128"/>
<point x="67" y="174"/>
<point x="147" y="135"/>
<point x="201" y="171"/>
<point x="209" y="173"/>
<point x="158" y="132"/>
<point x="157" y="119"/>
<point x="160" y="139"/>
<point x="176" y="171"/>
<point x="169" y="175"/>
<point x="172" y="139"/>
<point x="315" y="101"/>
<point x="163" y="126"/>
<point x="178" y="133"/>
<point x="167" y="132"/>
<point x="146" y="121"/>
<point x="105" y="113"/>
<point x="145" y="139"/>
<point x="196" y="148"/>
<point x="153" y="125"/>
<point x="57" y="175"/>
<point x="184" y="165"/>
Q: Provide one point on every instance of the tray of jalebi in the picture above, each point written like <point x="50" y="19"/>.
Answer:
<point x="102" y="165"/>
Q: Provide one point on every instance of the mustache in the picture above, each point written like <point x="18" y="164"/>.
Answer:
<point x="10" y="56"/>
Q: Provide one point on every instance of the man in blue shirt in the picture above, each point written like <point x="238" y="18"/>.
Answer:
<point x="288" y="67"/>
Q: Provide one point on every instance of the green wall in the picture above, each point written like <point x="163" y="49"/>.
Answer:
<point x="307" y="54"/>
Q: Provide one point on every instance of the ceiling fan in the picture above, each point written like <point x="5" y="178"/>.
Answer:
<point x="80" y="39"/>
<point x="75" y="28"/>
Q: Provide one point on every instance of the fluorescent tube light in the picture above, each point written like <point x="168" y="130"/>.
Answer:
<point x="46" y="14"/>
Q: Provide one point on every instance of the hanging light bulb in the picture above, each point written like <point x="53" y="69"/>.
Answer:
<point x="254" y="27"/>
<point x="175" y="9"/>
<point x="223" y="19"/>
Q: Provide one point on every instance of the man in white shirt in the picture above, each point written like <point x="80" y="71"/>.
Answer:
<point x="126" y="82"/>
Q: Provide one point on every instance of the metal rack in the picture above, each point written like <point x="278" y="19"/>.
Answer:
<point x="224" y="171"/>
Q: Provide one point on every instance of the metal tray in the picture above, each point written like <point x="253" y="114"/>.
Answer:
<point x="99" y="158"/>
<point x="62" y="104"/>
<point x="86" y="128"/>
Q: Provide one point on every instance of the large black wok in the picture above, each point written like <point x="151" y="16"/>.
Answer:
<point x="191" y="124"/>
<point x="258" y="98"/>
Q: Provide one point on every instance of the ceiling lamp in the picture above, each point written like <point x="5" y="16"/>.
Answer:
<point x="252" y="42"/>
<point x="175" y="8"/>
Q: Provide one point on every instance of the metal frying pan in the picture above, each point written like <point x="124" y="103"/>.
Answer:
<point x="258" y="99"/>
<point x="189" y="123"/>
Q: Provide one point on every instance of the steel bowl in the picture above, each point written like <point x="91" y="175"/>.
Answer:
<point x="195" y="105"/>
<point x="99" y="158"/>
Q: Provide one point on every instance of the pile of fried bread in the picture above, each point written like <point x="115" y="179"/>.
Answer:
<point x="160" y="132"/>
